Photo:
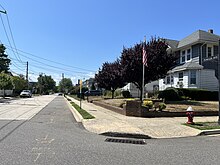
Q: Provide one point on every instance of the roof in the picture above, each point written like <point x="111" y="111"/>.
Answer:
<point x="199" y="35"/>
<point x="172" y="43"/>
<point x="187" y="66"/>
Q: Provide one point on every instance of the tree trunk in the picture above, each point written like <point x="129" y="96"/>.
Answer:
<point x="3" y="93"/>
<point x="141" y="93"/>
<point x="113" y="91"/>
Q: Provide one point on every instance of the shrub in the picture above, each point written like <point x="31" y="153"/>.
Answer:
<point x="126" y="94"/>
<point x="170" y="94"/>
<point x="148" y="103"/>
<point x="162" y="106"/>
<point x="199" y="94"/>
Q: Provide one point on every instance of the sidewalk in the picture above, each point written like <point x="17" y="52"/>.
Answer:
<point x="107" y="121"/>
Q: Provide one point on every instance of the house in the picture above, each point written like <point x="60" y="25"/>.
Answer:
<point x="197" y="62"/>
<point x="135" y="92"/>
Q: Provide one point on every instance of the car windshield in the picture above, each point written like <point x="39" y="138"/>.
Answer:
<point x="26" y="91"/>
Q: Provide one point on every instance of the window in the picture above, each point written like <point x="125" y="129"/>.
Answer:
<point x="183" y="58"/>
<point x="209" y="52"/>
<point x="188" y="54"/>
<point x="168" y="79"/>
<point x="185" y="55"/>
<point x="193" y="77"/>
<point x="171" y="79"/>
<point x="181" y="76"/>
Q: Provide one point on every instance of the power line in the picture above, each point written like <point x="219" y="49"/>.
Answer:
<point x="2" y="7"/>
<point x="7" y="36"/>
<point x="11" y="48"/>
<point x="12" y="35"/>
<point x="52" y="65"/>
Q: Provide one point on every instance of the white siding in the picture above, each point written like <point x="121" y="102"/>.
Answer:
<point x="163" y="86"/>
<point x="208" y="80"/>
<point x="195" y="59"/>
<point x="150" y="86"/>
<point x="134" y="91"/>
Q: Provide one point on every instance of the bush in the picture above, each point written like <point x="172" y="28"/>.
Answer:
<point x="176" y="94"/>
<point x="170" y="94"/>
<point x="162" y="106"/>
<point x="199" y="94"/>
<point x="126" y="94"/>
<point x="148" y="104"/>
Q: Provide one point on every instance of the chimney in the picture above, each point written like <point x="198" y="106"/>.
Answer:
<point x="210" y="31"/>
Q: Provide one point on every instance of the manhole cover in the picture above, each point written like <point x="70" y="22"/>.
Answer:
<point x="131" y="141"/>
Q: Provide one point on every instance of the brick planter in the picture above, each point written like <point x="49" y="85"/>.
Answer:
<point x="134" y="108"/>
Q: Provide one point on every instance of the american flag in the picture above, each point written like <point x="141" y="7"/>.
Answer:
<point x="144" y="55"/>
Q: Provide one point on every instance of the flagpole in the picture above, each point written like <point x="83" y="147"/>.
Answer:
<point x="143" y="73"/>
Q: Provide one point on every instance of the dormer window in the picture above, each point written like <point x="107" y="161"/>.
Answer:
<point x="188" y="54"/>
<point x="183" y="56"/>
<point x="209" y="52"/>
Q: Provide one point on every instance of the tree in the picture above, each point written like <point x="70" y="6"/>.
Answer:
<point x="110" y="76"/>
<point x="19" y="84"/>
<point x="4" y="60"/>
<point x="5" y="82"/>
<point x="93" y="86"/>
<point x="159" y="62"/>
<point x="45" y="84"/>
<point x="65" y="85"/>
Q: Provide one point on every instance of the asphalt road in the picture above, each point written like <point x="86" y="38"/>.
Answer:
<point x="53" y="137"/>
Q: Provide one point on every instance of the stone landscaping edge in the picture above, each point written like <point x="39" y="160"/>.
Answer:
<point x="151" y="114"/>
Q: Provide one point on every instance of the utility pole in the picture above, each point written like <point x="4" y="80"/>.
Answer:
<point x="219" y="81"/>
<point x="27" y="76"/>
<point x="63" y="84"/>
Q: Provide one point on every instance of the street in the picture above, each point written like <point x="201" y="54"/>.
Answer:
<point x="52" y="136"/>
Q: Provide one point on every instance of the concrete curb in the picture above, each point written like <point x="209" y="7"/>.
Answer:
<point x="75" y="113"/>
<point x="209" y="132"/>
<point x="126" y="135"/>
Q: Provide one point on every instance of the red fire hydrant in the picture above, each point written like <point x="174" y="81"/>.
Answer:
<point x="190" y="115"/>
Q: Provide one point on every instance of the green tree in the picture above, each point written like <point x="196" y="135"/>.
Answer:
<point x="65" y="85"/>
<point x="159" y="62"/>
<point x="4" y="60"/>
<point x="45" y="84"/>
<point x="93" y="86"/>
<point x="19" y="84"/>
<point x="5" y="82"/>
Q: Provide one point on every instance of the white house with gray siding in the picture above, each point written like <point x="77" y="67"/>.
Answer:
<point x="197" y="63"/>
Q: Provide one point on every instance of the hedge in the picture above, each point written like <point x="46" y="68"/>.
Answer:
<point x="175" y="94"/>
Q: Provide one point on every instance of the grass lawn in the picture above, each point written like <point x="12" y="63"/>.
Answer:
<point x="204" y="125"/>
<point x="84" y="113"/>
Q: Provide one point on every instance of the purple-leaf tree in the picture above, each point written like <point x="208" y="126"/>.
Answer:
<point x="109" y="76"/>
<point x="159" y="62"/>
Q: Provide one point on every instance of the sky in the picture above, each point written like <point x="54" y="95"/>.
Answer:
<point x="76" y="37"/>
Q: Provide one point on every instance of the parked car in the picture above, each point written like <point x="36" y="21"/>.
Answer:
<point x="26" y="93"/>
<point x="93" y="93"/>
<point x="59" y="94"/>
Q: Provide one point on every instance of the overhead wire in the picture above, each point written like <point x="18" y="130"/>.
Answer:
<point x="48" y="59"/>
<point x="10" y="30"/>
<point x="12" y="36"/>
<point x="14" y="64"/>
<point x="18" y="59"/>
<point x="52" y="66"/>
<point x="7" y="35"/>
